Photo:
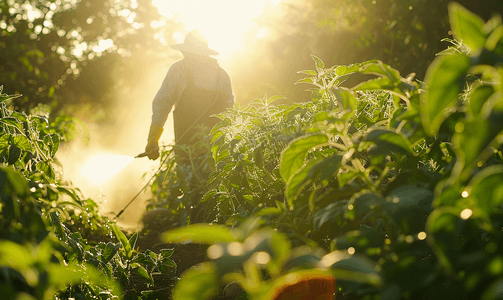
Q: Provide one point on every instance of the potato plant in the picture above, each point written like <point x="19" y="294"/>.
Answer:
<point x="53" y="242"/>
<point x="391" y="186"/>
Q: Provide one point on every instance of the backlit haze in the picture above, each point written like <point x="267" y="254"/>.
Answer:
<point x="223" y="22"/>
<point x="111" y="174"/>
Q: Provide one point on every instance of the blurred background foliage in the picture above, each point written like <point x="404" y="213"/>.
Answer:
<point x="69" y="55"/>
<point x="404" y="33"/>
<point x="65" y="53"/>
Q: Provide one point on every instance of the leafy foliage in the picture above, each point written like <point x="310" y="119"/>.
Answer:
<point x="390" y="186"/>
<point x="45" y="226"/>
<point x="179" y="185"/>
<point x="47" y="45"/>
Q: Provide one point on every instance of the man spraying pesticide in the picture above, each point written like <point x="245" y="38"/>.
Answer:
<point x="197" y="87"/>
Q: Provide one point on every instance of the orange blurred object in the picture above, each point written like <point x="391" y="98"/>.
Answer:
<point x="304" y="287"/>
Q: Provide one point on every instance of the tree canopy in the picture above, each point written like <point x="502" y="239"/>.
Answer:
<point x="47" y="45"/>
<point x="407" y="34"/>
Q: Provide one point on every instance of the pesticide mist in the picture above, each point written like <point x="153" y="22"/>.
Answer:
<point x="100" y="168"/>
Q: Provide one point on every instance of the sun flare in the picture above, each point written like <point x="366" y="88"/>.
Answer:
<point x="222" y="22"/>
<point x="100" y="168"/>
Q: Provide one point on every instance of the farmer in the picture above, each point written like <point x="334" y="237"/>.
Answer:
<point x="197" y="86"/>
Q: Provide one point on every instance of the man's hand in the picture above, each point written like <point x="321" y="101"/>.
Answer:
<point x="152" y="151"/>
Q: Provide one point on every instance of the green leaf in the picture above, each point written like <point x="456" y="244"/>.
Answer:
<point x="320" y="170"/>
<point x="308" y="72"/>
<point x="61" y="277"/>
<point x="47" y="169"/>
<point x="319" y="63"/>
<point x="22" y="142"/>
<point x="467" y="27"/>
<point x="344" y="178"/>
<point x="348" y="70"/>
<point x="381" y="83"/>
<point x="199" y="233"/>
<point x="199" y="283"/>
<point x="52" y="141"/>
<point x="442" y="233"/>
<point x="292" y="158"/>
<point x="133" y="239"/>
<point x="494" y="291"/>
<point x="145" y="260"/>
<point x="345" y="98"/>
<point x="224" y="123"/>
<point x="306" y="80"/>
<point x="302" y="261"/>
<point x="109" y="251"/>
<point x="15" y="256"/>
<point x="152" y="254"/>
<point x="281" y="248"/>
<point x="380" y="69"/>
<point x="471" y="145"/>
<point x="166" y="253"/>
<point x="485" y="190"/>
<point x="52" y="89"/>
<point x="387" y="141"/>
<point x="20" y="117"/>
<point x="326" y="214"/>
<point x="14" y="154"/>
<point x="165" y="265"/>
<point x="4" y="140"/>
<point x="142" y="272"/>
<point x="353" y="268"/>
<point x="298" y="181"/>
<point x="478" y="97"/>
<point x="494" y="42"/>
<point x="409" y="206"/>
<point x="445" y="80"/>
<point x="269" y="101"/>
<point x="363" y="203"/>
<point x="12" y="122"/>
<point x="268" y="211"/>
<point x="123" y="240"/>
<point x="56" y="222"/>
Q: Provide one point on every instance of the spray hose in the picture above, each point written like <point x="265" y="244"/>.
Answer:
<point x="169" y="154"/>
<point x="146" y="185"/>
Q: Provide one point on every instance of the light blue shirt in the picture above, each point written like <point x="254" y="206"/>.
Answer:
<point x="206" y="71"/>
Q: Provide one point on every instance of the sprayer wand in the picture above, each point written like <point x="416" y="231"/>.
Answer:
<point x="168" y="155"/>
<point x="146" y="185"/>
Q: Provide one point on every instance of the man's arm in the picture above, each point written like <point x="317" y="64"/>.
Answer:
<point x="164" y="100"/>
<point x="167" y="95"/>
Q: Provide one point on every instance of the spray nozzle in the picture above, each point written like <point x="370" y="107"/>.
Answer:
<point x="141" y="155"/>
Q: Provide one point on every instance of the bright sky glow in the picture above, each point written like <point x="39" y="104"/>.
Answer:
<point x="222" y="22"/>
<point x="100" y="168"/>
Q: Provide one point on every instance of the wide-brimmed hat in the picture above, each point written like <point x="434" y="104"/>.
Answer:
<point x="195" y="43"/>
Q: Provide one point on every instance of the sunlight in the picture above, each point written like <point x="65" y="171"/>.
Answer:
<point x="222" y="22"/>
<point x="103" y="45"/>
<point x="262" y="33"/>
<point x="100" y="168"/>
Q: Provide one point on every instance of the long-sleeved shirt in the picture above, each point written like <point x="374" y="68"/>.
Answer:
<point x="206" y="73"/>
